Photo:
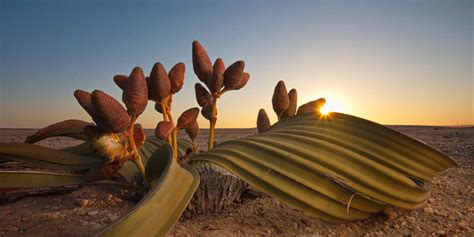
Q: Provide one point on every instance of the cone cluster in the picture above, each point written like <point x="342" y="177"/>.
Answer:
<point x="284" y="105"/>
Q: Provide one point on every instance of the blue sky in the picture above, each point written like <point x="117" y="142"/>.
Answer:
<point x="394" y="62"/>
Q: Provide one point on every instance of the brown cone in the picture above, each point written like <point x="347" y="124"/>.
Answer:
<point x="84" y="99"/>
<point x="120" y="80"/>
<point x="201" y="63"/>
<point x="233" y="74"/>
<point x="109" y="114"/>
<point x="206" y="112"/>
<point x="92" y="131"/>
<point x="158" y="107"/>
<point x="193" y="130"/>
<point x="243" y="81"/>
<point x="263" y="122"/>
<point x="292" y="95"/>
<point x="313" y="106"/>
<point x="163" y="130"/>
<point x="159" y="83"/>
<point x="176" y="76"/>
<point x="217" y="79"/>
<point x="138" y="135"/>
<point x="280" y="99"/>
<point x="187" y="118"/>
<point x="202" y="95"/>
<point x="135" y="92"/>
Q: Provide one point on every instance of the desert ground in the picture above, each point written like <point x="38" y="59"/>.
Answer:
<point x="83" y="211"/>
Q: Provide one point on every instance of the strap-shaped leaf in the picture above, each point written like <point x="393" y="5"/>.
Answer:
<point x="129" y="171"/>
<point x="83" y="149"/>
<point x="172" y="188"/>
<point x="35" y="179"/>
<point x="338" y="167"/>
<point x="68" y="128"/>
<point x="47" y="157"/>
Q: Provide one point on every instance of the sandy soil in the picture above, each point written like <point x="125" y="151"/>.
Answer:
<point x="82" y="211"/>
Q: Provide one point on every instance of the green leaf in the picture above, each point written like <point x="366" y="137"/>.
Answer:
<point x="337" y="167"/>
<point x="68" y="128"/>
<point x="83" y="149"/>
<point x="172" y="188"/>
<point x="36" y="179"/>
<point x="129" y="171"/>
<point x="32" y="179"/>
<point x="47" y="157"/>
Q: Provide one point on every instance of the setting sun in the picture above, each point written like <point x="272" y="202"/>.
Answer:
<point x="332" y="105"/>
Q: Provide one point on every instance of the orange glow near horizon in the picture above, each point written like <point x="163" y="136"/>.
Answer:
<point x="333" y="105"/>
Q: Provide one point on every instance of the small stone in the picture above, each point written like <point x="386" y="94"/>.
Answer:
<point x="93" y="213"/>
<point x="96" y="226"/>
<point x="390" y="213"/>
<point x="113" y="217"/>
<point x="462" y="225"/>
<point x="81" y="212"/>
<point x="82" y="202"/>
<point x="83" y="223"/>
<point x="428" y="210"/>
<point x="431" y="200"/>
<point x="396" y="226"/>
<point x="441" y="232"/>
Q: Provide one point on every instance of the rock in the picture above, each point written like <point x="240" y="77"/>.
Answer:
<point x="428" y="210"/>
<point x="431" y="200"/>
<point x="96" y="226"/>
<point x="113" y="217"/>
<point x="390" y="213"/>
<point x="82" y="202"/>
<point x="81" y="212"/>
<point x="93" y="213"/>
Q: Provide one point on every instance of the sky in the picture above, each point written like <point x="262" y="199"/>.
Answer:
<point x="392" y="62"/>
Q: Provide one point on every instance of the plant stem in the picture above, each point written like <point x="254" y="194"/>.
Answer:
<point x="164" y="108"/>
<point x="212" y="122"/>
<point x="195" y="150"/>
<point x="173" y="136"/>
<point x="175" y="144"/>
<point x="135" y="155"/>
